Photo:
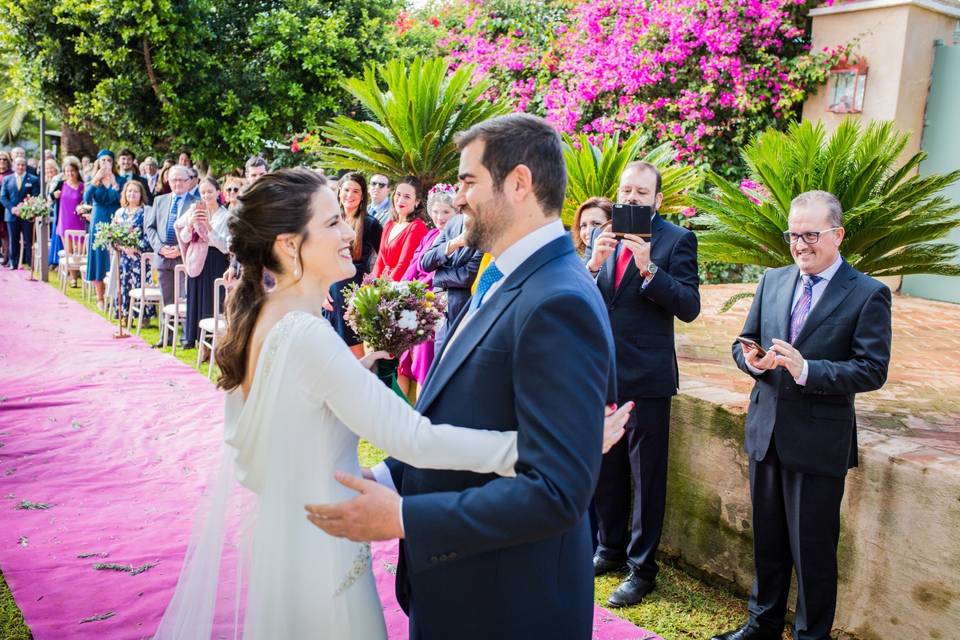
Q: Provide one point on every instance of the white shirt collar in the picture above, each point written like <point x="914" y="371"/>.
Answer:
<point x="518" y="253"/>
<point x="828" y="273"/>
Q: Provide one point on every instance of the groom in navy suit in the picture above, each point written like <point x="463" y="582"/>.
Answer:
<point x="15" y="188"/>
<point x="484" y="557"/>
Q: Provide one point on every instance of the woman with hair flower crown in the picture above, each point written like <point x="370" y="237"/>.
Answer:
<point x="415" y="363"/>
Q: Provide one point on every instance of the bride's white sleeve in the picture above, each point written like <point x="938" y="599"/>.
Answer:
<point x="333" y="376"/>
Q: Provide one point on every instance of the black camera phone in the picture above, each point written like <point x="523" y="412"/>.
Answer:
<point x="633" y="219"/>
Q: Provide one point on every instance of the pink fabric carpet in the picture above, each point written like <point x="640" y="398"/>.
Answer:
<point x="119" y="441"/>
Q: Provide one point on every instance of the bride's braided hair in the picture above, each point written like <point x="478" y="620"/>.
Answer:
<point x="275" y="204"/>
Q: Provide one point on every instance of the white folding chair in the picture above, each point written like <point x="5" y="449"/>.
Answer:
<point x="210" y="328"/>
<point x="74" y="256"/>
<point x="173" y="314"/>
<point x="143" y="296"/>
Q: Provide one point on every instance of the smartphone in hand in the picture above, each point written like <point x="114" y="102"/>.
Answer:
<point x="752" y="344"/>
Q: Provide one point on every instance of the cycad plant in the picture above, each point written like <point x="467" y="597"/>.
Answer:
<point x="413" y="119"/>
<point x="594" y="171"/>
<point x="893" y="219"/>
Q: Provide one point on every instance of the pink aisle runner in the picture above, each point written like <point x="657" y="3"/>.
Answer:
<point x="119" y="441"/>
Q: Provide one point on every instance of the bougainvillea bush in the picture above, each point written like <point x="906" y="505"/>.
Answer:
<point x="706" y="75"/>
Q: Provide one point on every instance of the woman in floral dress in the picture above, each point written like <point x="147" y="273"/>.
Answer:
<point x="130" y="213"/>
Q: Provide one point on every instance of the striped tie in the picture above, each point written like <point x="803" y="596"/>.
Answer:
<point x="172" y="219"/>
<point x="802" y="310"/>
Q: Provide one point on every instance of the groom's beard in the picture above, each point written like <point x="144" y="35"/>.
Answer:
<point x="486" y="223"/>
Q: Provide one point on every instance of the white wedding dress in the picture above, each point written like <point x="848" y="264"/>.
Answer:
<point x="309" y="401"/>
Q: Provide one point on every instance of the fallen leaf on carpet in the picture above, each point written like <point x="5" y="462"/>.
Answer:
<point x="110" y="566"/>
<point x="143" y="567"/>
<point x="98" y="617"/>
<point x="27" y="505"/>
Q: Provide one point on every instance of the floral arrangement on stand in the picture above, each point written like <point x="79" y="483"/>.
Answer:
<point x="393" y="317"/>
<point x="32" y="207"/>
<point x="114" y="235"/>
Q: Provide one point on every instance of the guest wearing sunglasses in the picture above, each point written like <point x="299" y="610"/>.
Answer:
<point x="379" y="206"/>
<point x="232" y="186"/>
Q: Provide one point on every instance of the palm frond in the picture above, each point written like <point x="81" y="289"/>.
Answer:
<point x="894" y="220"/>
<point x="411" y="120"/>
<point x="594" y="171"/>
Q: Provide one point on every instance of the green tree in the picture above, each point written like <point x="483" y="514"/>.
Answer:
<point x="219" y="76"/>
<point x="893" y="218"/>
<point x="594" y="171"/>
<point x="412" y="121"/>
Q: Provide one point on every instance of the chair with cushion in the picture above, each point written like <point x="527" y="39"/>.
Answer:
<point x="73" y="257"/>
<point x="144" y="295"/>
<point x="211" y="328"/>
<point x="173" y="314"/>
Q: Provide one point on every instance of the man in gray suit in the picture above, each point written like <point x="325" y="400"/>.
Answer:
<point x="158" y="225"/>
<point x="826" y="330"/>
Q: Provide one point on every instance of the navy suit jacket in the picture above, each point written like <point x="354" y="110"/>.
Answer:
<point x="642" y="318"/>
<point x="489" y="557"/>
<point x="846" y="342"/>
<point x="10" y="196"/>
<point x="454" y="273"/>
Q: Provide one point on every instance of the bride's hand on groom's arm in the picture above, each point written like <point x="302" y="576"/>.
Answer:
<point x="615" y="424"/>
<point x="371" y="358"/>
<point x="372" y="515"/>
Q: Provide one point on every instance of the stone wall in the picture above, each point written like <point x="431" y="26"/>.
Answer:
<point x="899" y="554"/>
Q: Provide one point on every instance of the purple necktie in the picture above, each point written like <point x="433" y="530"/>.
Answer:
<point x="802" y="310"/>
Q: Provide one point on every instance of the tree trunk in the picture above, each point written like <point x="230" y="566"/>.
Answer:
<point x="76" y="143"/>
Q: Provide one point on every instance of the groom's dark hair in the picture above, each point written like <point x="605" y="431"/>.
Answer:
<point x="521" y="138"/>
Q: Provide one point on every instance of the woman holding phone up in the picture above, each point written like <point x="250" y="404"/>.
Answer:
<point x="204" y="244"/>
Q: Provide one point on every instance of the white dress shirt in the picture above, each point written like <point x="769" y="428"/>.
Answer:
<point x="816" y="293"/>
<point x="508" y="262"/>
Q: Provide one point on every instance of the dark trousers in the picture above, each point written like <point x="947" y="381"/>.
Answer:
<point x="796" y="525"/>
<point x="15" y="230"/>
<point x="639" y="461"/>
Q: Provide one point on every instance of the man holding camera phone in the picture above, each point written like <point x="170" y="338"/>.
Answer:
<point x="645" y="285"/>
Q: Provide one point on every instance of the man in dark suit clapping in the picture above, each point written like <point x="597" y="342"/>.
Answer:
<point x="827" y="331"/>
<point x="645" y="285"/>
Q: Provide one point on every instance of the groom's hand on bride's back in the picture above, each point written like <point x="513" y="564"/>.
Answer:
<point x="372" y="515"/>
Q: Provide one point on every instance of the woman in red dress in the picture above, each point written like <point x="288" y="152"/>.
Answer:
<point x="404" y="231"/>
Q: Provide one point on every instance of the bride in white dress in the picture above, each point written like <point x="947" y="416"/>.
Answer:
<point x="297" y="401"/>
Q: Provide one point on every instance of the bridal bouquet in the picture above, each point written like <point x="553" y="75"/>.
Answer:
<point x="392" y="317"/>
<point x="116" y="234"/>
<point x="32" y="207"/>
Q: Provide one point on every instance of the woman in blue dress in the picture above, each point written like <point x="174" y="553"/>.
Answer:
<point x="104" y="195"/>
<point x="130" y="214"/>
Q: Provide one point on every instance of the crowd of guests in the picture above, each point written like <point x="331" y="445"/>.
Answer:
<point x="406" y="233"/>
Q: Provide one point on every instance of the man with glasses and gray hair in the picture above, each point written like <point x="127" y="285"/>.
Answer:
<point x="818" y="333"/>
<point x="379" y="206"/>
<point x="158" y="226"/>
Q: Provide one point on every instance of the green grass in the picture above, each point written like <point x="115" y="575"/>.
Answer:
<point x="11" y="620"/>
<point x="682" y="607"/>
